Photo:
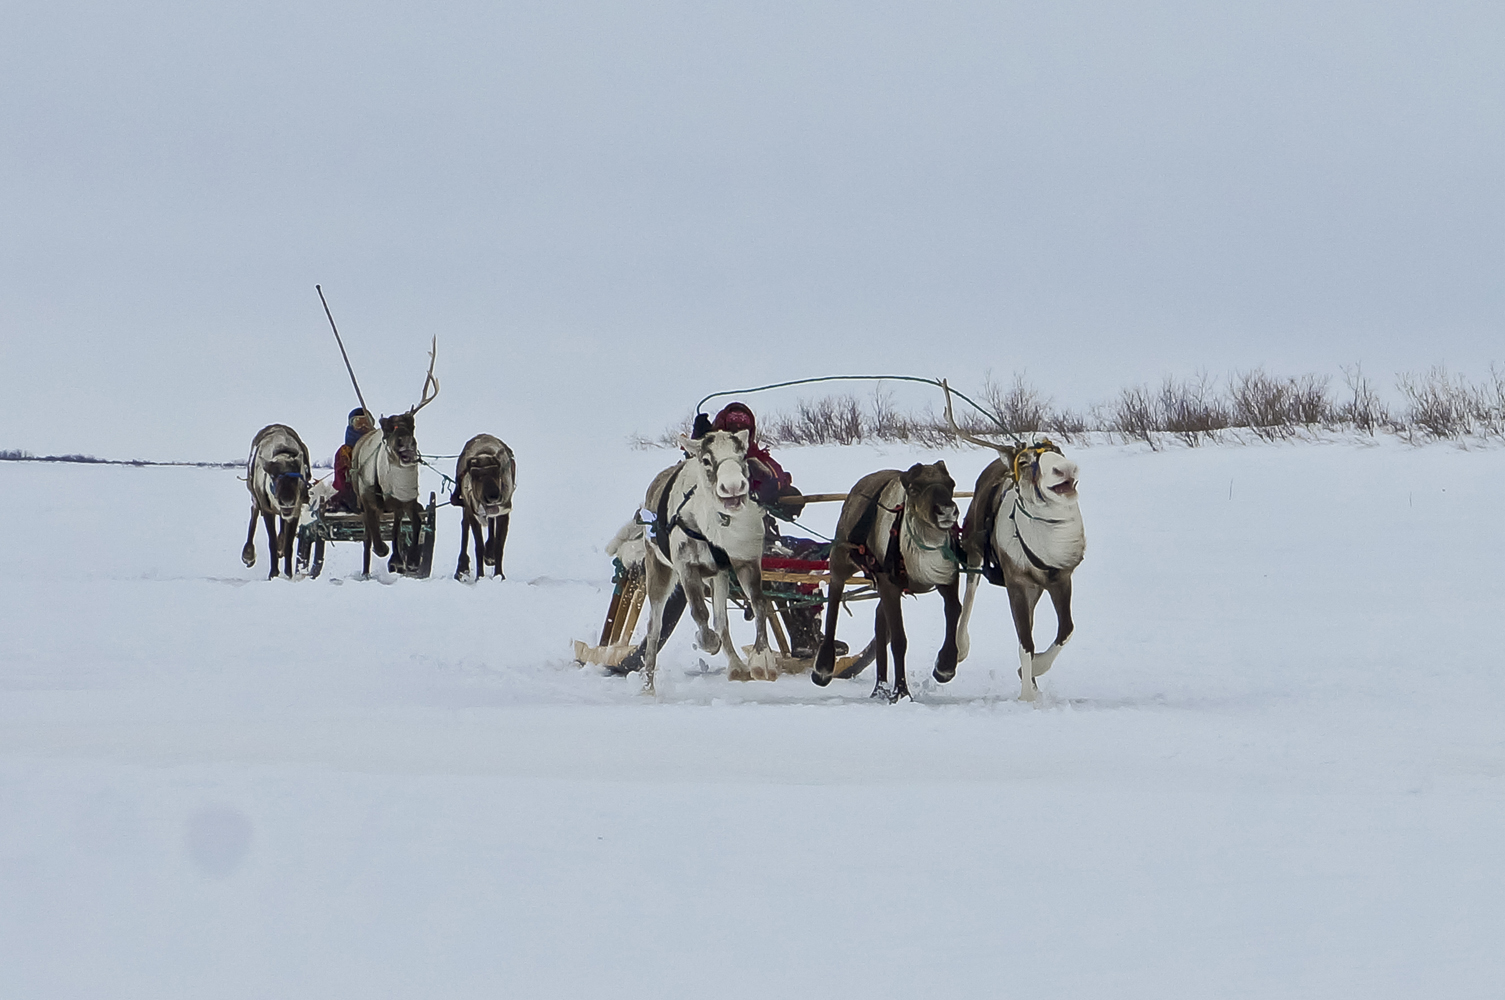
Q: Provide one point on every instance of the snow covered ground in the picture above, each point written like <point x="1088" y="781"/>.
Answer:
<point x="1270" y="764"/>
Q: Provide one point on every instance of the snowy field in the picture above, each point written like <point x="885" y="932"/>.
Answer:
<point x="1270" y="764"/>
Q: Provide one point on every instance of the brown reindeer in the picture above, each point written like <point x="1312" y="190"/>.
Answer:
<point x="899" y="528"/>
<point x="485" y="476"/>
<point x="277" y="473"/>
<point x="384" y="470"/>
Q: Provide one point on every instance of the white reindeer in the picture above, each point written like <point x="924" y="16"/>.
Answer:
<point x="384" y="469"/>
<point x="704" y="526"/>
<point x="1024" y="532"/>
<point x="277" y="473"/>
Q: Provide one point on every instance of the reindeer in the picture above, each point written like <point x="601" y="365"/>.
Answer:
<point x="485" y="476"/>
<point x="900" y="529"/>
<point x="706" y="526"/>
<point x="1024" y="532"/>
<point x="277" y="474"/>
<point x="384" y="469"/>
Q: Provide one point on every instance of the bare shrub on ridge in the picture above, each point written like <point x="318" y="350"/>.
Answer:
<point x="1190" y="409"/>
<point x="1437" y="404"/>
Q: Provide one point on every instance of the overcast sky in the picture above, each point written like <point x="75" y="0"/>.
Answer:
<point x="606" y="211"/>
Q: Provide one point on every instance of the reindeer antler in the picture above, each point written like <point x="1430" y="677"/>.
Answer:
<point x="429" y="379"/>
<point x="1002" y="449"/>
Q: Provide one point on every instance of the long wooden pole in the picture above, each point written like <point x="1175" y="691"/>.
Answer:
<point x="833" y="497"/>
<point x="337" y="340"/>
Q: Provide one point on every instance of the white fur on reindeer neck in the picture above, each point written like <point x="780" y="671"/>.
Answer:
<point x="397" y="480"/>
<point x="922" y="546"/>
<point x="1038" y="527"/>
<point x="737" y="532"/>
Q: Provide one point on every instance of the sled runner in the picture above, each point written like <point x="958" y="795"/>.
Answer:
<point x="347" y="526"/>
<point x="792" y="587"/>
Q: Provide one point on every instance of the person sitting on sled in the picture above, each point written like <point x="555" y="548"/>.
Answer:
<point x="357" y="425"/>
<point x="770" y="486"/>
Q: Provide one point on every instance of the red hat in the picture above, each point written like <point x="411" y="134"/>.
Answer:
<point x="735" y="417"/>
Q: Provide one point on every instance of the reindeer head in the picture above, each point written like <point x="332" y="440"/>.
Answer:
<point x="288" y="482"/>
<point x="723" y="461"/>
<point x="928" y="495"/>
<point x="489" y="484"/>
<point x="398" y="438"/>
<point x="1041" y="469"/>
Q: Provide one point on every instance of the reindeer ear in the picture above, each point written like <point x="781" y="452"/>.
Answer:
<point x="908" y="476"/>
<point x="741" y="438"/>
<point x="686" y="445"/>
<point x="387" y="424"/>
<point x="941" y="465"/>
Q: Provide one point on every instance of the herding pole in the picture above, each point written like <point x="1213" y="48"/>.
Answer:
<point x="337" y="340"/>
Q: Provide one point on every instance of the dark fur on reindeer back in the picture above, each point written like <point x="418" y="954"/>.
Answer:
<point x="982" y="514"/>
<point x="859" y="517"/>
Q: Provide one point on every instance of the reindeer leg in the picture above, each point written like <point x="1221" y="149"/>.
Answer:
<point x="463" y="566"/>
<point x="289" y="537"/>
<point x="248" y="554"/>
<point x="897" y="640"/>
<point x="502" y="523"/>
<point x="963" y="640"/>
<point x="947" y="658"/>
<point x="483" y="554"/>
<point x="825" y="660"/>
<point x="763" y="663"/>
<point x="880" y="641"/>
<point x="399" y="561"/>
<point x="658" y="579"/>
<point x="371" y="512"/>
<point x="721" y="586"/>
<point x="1022" y="599"/>
<point x="273" y="549"/>
<point x="1060" y="596"/>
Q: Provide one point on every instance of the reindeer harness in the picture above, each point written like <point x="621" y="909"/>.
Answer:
<point x="992" y="567"/>
<point x="892" y="563"/>
<point x="663" y="524"/>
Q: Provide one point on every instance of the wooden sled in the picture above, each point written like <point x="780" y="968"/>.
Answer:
<point x="791" y="586"/>
<point x="342" y="526"/>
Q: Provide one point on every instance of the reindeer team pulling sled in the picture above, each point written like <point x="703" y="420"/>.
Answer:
<point x="901" y="530"/>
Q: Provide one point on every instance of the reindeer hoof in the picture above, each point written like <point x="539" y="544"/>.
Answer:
<point x="945" y="664"/>
<point x="709" y="642"/>
<point x="882" y="692"/>
<point x="764" y="665"/>
<point x="825" y="664"/>
<point x="248" y="555"/>
<point x="380" y="547"/>
<point x="741" y="673"/>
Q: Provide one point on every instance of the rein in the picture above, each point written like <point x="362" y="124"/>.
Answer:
<point x="948" y="548"/>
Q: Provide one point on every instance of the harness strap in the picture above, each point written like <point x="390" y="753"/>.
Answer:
<point x="1051" y="572"/>
<point x="893" y="559"/>
<point x="992" y="568"/>
<point x="663" y="524"/>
